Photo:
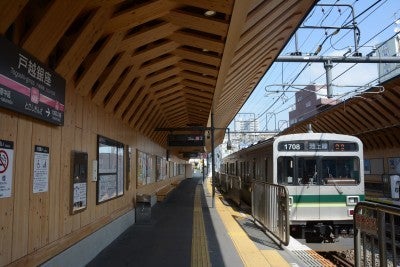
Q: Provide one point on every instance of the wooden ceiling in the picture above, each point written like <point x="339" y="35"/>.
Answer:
<point x="373" y="117"/>
<point x="157" y="63"/>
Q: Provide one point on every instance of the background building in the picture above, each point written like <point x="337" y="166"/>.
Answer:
<point x="310" y="101"/>
<point x="388" y="49"/>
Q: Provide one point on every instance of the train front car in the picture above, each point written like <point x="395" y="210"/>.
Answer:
<point x="325" y="178"/>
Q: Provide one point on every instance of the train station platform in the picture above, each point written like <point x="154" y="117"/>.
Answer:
<point x="186" y="229"/>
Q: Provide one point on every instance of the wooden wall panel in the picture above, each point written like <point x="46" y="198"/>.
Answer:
<point x="7" y="132"/>
<point x="33" y="223"/>
<point x="54" y="186"/>
<point x="39" y="202"/>
<point x="22" y="176"/>
<point x="76" y="219"/>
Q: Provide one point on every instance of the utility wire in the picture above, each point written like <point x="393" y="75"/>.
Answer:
<point x="304" y="67"/>
<point x="359" y="15"/>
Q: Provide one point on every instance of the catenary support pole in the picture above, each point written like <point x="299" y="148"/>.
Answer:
<point x="212" y="160"/>
<point x="328" y="70"/>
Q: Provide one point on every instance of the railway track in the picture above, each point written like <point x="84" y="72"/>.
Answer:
<point x="337" y="258"/>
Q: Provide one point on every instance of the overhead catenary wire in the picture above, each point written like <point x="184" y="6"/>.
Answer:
<point x="272" y="106"/>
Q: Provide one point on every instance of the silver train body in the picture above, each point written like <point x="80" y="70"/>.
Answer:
<point x="323" y="173"/>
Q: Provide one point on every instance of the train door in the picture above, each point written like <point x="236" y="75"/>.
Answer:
<point x="285" y="176"/>
<point x="307" y="192"/>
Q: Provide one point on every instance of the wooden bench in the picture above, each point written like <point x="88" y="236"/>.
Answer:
<point x="163" y="192"/>
<point x="176" y="182"/>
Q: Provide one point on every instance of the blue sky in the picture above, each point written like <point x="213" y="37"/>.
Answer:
<point x="376" y="22"/>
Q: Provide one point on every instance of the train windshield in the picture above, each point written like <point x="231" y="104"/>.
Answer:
<point x="319" y="170"/>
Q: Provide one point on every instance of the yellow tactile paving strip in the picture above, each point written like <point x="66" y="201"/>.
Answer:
<point x="247" y="250"/>
<point x="200" y="257"/>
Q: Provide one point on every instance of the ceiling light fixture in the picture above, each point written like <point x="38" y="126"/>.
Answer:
<point x="210" y="13"/>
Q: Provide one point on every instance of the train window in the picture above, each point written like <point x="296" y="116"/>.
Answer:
<point x="254" y="169"/>
<point x="341" y="170"/>
<point x="307" y="172"/>
<point x="246" y="172"/>
<point x="266" y="169"/>
<point x="285" y="170"/>
<point x="232" y="168"/>
<point x="236" y="169"/>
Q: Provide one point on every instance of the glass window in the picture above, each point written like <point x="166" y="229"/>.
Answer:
<point x="341" y="170"/>
<point x="307" y="171"/>
<point x="254" y="169"/>
<point x="266" y="169"/>
<point x="285" y="170"/>
<point x="319" y="170"/>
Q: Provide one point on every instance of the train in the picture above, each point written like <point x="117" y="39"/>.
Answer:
<point x="323" y="173"/>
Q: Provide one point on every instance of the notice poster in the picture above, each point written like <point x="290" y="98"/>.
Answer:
<point x="41" y="169"/>
<point x="110" y="182"/>
<point x="79" y="196"/>
<point x="6" y="167"/>
<point x="79" y="181"/>
<point x="107" y="187"/>
<point x="120" y="177"/>
<point x="141" y="168"/>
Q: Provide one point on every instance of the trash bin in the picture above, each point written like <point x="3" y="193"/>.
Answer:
<point x="143" y="209"/>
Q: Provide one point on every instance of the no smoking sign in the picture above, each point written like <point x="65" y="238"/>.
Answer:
<point x="3" y="161"/>
<point x="6" y="168"/>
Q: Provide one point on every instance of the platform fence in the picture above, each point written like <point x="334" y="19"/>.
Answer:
<point x="270" y="203"/>
<point x="377" y="234"/>
<point x="270" y="207"/>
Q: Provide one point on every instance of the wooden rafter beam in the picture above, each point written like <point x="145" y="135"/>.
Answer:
<point x="9" y="11"/>
<point x="135" y="16"/>
<point x="198" y="22"/>
<point x="52" y="26"/>
<point x="199" y="56"/>
<point x="202" y="42"/>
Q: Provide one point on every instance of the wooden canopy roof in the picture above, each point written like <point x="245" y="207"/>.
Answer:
<point x="157" y="63"/>
<point x="373" y="116"/>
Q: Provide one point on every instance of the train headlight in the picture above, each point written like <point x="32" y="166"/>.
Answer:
<point x="352" y="200"/>
<point x="290" y="201"/>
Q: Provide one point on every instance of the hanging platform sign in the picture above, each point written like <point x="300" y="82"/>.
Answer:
<point x="185" y="140"/>
<point x="27" y="86"/>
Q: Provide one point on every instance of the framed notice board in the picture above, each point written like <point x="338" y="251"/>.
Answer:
<point x="79" y="181"/>
<point x="110" y="160"/>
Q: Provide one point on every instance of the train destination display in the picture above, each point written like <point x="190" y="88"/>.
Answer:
<point x="27" y="86"/>
<point x="302" y="145"/>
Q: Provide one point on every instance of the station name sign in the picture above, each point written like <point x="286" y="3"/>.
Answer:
<point x="186" y="140"/>
<point x="27" y="86"/>
<point x="191" y="155"/>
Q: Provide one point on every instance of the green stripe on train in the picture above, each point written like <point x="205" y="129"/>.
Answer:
<point x="322" y="198"/>
<point x="319" y="205"/>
